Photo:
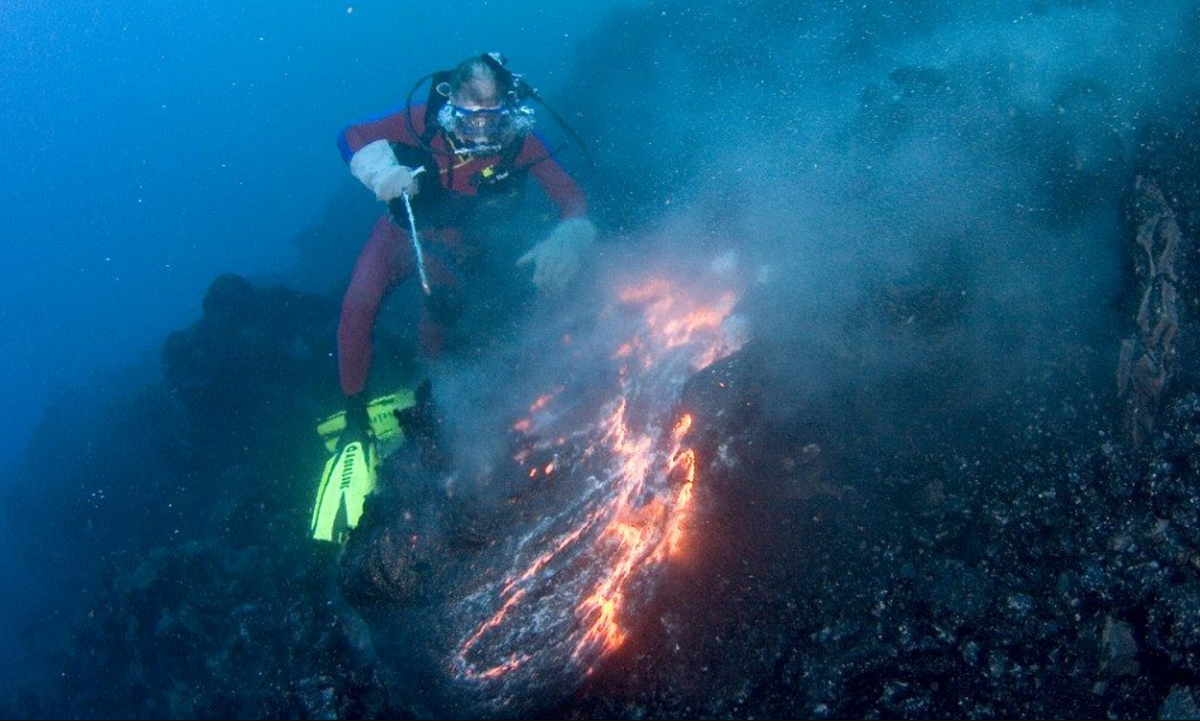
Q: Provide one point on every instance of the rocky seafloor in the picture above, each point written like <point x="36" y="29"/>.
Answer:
<point x="883" y="545"/>
<point x="1029" y="561"/>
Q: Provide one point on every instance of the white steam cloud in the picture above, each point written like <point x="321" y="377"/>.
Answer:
<point x="936" y="187"/>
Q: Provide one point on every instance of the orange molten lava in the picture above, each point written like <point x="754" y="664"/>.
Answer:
<point x="649" y="487"/>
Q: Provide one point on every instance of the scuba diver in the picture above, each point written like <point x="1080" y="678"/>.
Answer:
<point x="448" y="171"/>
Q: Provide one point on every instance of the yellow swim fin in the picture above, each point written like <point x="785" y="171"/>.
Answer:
<point x="381" y="413"/>
<point x="349" y="474"/>
<point x="348" y="478"/>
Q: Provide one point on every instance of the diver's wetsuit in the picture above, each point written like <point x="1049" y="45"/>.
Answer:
<point x="468" y="194"/>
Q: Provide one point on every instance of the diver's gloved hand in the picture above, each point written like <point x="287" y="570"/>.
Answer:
<point x="376" y="166"/>
<point x="557" y="258"/>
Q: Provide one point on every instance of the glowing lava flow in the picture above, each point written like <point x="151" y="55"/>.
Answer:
<point x="636" y="534"/>
<point x="636" y="481"/>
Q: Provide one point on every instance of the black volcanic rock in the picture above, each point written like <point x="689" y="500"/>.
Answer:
<point x="930" y="541"/>
<point x="203" y="630"/>
<point x="255" y="372"/>
<point x="180" y="529"/>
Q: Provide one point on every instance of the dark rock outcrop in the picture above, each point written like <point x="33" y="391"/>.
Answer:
<point x="177" y="530"/>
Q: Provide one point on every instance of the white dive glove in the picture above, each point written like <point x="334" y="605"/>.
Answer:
<point x="376" y="166"/>
<point x="557" y="258"/>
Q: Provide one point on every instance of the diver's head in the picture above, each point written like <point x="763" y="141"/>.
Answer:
<point x="474" y="83"/>
<point x="482" y="110"/>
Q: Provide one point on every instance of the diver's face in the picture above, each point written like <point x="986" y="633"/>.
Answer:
<point x="479" y="114"/>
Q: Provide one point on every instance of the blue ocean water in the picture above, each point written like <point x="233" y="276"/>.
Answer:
<point x="149" y="147"/>
<point x="152" y="146"/>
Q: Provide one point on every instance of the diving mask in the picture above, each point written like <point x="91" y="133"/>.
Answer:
<point x="486" y="128"/>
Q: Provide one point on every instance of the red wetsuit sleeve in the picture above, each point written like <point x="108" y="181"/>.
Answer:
<point x="556" y="182"/>
<point x="392" y="127"/>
